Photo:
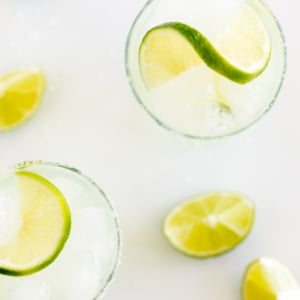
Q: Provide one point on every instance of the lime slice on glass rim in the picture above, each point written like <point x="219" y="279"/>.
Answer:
<point x="20" y="96"/>
<point x="45" y="227"/>
<point x="209" y="225"/>
<point x="242" y="51"/>
<point x="268" y="279"/>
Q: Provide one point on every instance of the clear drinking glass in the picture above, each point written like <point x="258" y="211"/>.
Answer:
<point x="186" y="104"/>
<point x="87" y="263"/>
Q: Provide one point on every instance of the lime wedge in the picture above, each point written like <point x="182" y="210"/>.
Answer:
<point x="268" y="279"/>
<point x="210" y="224"/>
<point x="241" y="54"/>
<point x="20" y="95"/>
<point x="46" y="222"/>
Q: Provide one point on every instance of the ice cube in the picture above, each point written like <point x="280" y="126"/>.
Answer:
<point x="87" y="258"/>
<point x="30" y="287"/>
<point x="91" y="227"/>
<point x="10" y="214"/>
<point x="78" y="278"/>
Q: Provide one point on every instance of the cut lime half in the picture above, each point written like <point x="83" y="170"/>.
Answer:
<point x="268" y="279"/>
<point x="210" y="224"/>
<point x="241" y="53"/>
<point x="45" y="227"/>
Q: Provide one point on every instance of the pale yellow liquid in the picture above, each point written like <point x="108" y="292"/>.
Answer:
<point x="190" y="103"/>
<point x="88" y="260"/>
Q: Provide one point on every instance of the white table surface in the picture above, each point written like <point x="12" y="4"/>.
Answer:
<point x="145" y="170"/>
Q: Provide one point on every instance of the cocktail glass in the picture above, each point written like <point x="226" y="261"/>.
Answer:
<point x="188" y="104"/>
<point x="88" y="261"/>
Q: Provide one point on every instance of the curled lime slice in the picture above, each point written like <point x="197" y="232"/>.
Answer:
<point x="210" y="224"/>
<point x="241" y="53"/>
<point x="45" y="227"/>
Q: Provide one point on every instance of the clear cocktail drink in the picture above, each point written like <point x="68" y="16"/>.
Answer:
<point x="87" y="262"/>
<point x="197" y="101"/>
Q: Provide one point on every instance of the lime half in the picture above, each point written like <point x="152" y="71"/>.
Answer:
<point x="210" y="224"/>
<point x="241" y="53"/>
<point x="268" y="279"/>
<point x="46" y="223"/>
<point x="20" y="95"/>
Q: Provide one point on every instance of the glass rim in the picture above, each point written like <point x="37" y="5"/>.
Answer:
<point x="208" y="137"/>
<point x="116" y="259"/>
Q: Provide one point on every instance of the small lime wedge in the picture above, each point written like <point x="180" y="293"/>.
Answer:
<point x="210" y="224"/>
<point x="46" y="223"/>
<point x="20" y="95"/>
<point x="241" y="53"/>
<point x="268" y="279"/>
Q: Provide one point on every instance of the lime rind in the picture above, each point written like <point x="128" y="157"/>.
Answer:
<point x="27" y="270"/>
<point x="207" y="52"/>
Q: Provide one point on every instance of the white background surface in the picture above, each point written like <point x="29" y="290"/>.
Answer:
<point x="98" y="127"/>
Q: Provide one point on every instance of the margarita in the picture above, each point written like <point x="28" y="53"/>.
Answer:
<point x="44" y="202"/>
<point x="205" y="69"/>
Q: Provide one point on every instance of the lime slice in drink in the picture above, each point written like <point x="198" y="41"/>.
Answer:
<point x="165" y="53"/>
<point x="268" y="279"/>
<point x="210" y="224"/>
<point x="245" y="43"/>
<point x="20" y="95"/>
<point x="241" y="54"/>
<point x="46" y="222"/>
